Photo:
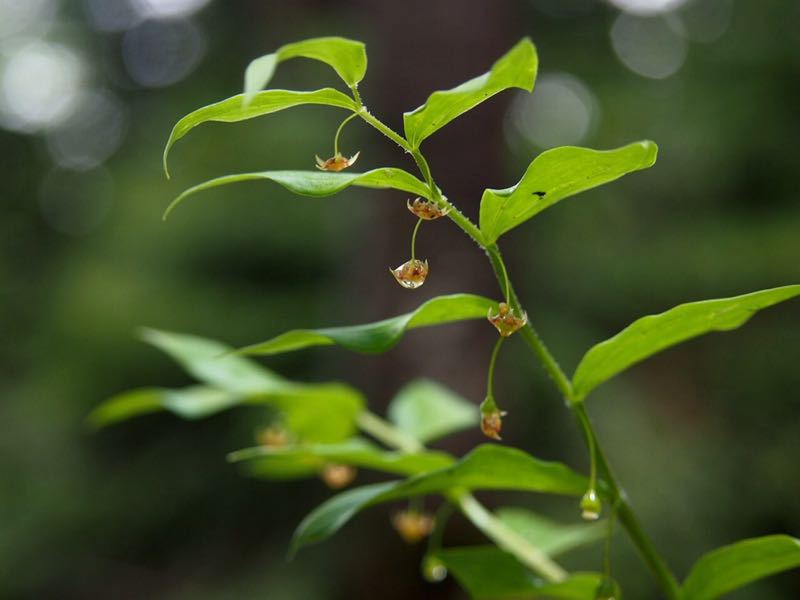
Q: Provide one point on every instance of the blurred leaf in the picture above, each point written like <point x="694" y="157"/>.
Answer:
<point x="317" y="183"/>
<point x="488" y="572"/>
<point x="486" y="467"/>
<point x="263" y="103"/>
<point x="515" y="69"/>
<point x="374" y="338"/>
<point x="211" y="362"/>
<point x="347" y="57"/>
<point x="550" y="537"/>
<point x="654" y="333"/>
<point x="554" y="175"/>
<point x="274" y="463"/>
<point x="428" y="411"/>
<point x="731" y="567"/>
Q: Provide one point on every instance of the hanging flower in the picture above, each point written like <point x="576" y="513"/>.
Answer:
<point x="506" y="321"/>
<point x="337" y="476"/>
<point x="413" y="525"/>
<point x="273" y="436"/>
<point x="425" y="209"/>
<point x="337" y="162"/>
<point x="411" y="274"/>
<point x="491" y="419"/>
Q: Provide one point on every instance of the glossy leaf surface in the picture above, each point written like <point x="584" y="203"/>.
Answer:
<point x="554" y="175"/>
<point x="263" y="103"/>
<point x="428" y="411"/>
<point x="486" y="467"/>
<point x="654" y="333"/>
<point x="728" y="568"/>
<point x="317" y="184"/>
<point x="374" y="338"/>
<point x="516" y="69"/>
<point x="347" y="57"/>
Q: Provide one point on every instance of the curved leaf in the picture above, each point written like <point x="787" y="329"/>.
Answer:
<point x="263" y="103"/>
<point x="318" y="184"/>
<point x="307" y="460"/>
<point x="549" y="536"/>
<point x="557" y="174"/>
<point x="347" y="57"/>
<point x="731" y="567"/>
<point x="649" y="335"/>
<point x="515" y="69"/>
<point x="486" y="467"/>
<point x="374" y="338"/>
<point x="427" y="411"/>
<point x="488" y="572"/>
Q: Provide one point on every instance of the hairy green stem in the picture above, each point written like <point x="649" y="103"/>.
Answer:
<point x="625" y="512"/>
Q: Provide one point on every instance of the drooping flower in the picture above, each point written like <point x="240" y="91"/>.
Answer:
<point x="591" y="505"/>
<point x="506" y="321"/>
<point x="273" y="436"/>
<point x="413" y="525"/>
<point x="425" y="209"/>
<point x="337" y="476"/>
<point x="337" y="162"/>
<point x="411" y="274"/>
<point x="491" y="418"/>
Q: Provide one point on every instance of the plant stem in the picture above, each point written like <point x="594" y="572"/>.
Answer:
<point x="492" y="361"/>
<point x="339" y="133"/>
<point x="414" y="239"/>
<point x="485" y="521"/>
<point x="387" y="433"/>
<point x="506" y="538"/>
<point x="625" y="512"/>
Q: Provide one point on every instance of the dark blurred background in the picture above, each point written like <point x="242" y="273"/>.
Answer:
<point x="705" y="436"/>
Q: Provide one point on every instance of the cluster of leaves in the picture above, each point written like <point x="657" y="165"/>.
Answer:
<point x="320" y="424"/>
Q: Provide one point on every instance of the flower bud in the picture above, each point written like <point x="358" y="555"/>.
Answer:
<point x="413" y="525"/>
<point x="591" y="506"/>
<point x="491" y="419"/>
<point x="433" y="569"/>
<point x="273" y="436"/>
<point x="425" y="209"/>
<point x="506" y="321"/>
<point x="337" y="162"/>
<point x="337" y="476"/>
<point x="411" y="274"/>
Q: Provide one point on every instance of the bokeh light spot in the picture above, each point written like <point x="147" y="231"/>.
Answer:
<point x="159" y="9"/>
<point x="647" y="7"/>
<point x="648" y="46"/>
<point x="160" y="53"/>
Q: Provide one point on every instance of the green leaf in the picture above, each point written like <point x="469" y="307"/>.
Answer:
<point x="488" y="572"/>
<point x="654" y="333"/>
<point x="318" y="184"/>
<point x="306" y="460"/>
<point x="550" y="537"/>
<point x="731" y="567"/>
<point x="319" y="412"/>
<point x="347" y="57"/>
<point x="557" y="174"/>
<point x="211" y="362"/>
<point x="515" y="69"/>
<point x="428" y="411"/>
<point x="374" y="338"/>
<point x="263" y="103"/>
<point x="486" y="467"/>
<point x="194" y="402"/>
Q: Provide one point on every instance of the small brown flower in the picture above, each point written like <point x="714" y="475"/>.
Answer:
<point x="425" y="209"/>
<point x="336" y="162"/>
<point x="337" y="476"/>
<point x="591" y="506"/>
<point x="492" y="423"/>
<point x="411" y="274"/>
<point x="506" y="321"/>
<point x="413" y="526"/>
<point x="273" y="436"/>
